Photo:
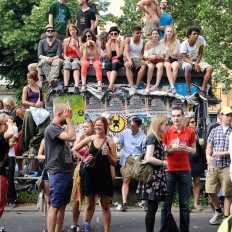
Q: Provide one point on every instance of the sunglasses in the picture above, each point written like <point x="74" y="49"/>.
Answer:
<point x="114" y="34"/>
<point x="192" y="121"/>
<point x="49" y="30"/>
<point x="88" y="36"/>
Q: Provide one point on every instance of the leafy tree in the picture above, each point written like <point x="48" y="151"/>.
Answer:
<point x="21" y="25"/>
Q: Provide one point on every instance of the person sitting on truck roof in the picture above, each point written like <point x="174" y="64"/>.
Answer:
<point x="114" y="51"/>
<point x="72" y="55"/>
<point x="91" y="49"/>
<point x="155" y="56"/>
<point x="134" y="48"/>
<point x="192" y="52"/>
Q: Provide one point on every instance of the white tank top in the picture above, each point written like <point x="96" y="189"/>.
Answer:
<point x="135" y="49"/>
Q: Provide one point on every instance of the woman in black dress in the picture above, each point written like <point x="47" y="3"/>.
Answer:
<point x="98" y="180"/>
<point x="196" y="164"/>
<point x="155" y="191"/>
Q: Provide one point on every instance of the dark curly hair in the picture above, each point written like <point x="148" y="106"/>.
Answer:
<point x="191" y="29"/>
<point x="83" y="39"/>
<point x="103" y="37"/>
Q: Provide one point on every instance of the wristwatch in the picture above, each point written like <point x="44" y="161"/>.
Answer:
<point x="193" y="63"/>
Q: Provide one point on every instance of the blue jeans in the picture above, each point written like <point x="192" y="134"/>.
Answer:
<point x="183" y="179"/>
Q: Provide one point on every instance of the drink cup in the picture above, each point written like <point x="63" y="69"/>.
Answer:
<point x="174" y="143"/>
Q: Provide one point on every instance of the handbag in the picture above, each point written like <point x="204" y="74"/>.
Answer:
<point x="39" y="183"/>
<point x="89" y="164"/>
<point x="141" y="170"/>
<point x="170" y="224"/>
<point x="39" y="115"/>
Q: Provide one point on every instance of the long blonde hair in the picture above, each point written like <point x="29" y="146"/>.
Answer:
<point x="156" y="122"/>
<point x="171" y="45"/>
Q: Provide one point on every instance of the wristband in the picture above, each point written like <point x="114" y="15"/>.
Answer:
<point x="34" y="104"/>
<point x="162" y="164"/>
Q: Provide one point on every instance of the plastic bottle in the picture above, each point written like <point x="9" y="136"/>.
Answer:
<point x="97" y="227"/>
<point x="86" y="226"/>
<point x="118" y="146"/>
<point x="78" y="228"/>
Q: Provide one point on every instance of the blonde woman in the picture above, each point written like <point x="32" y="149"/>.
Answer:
<point x="156" y="191"/>
<point x="172" y="45"/>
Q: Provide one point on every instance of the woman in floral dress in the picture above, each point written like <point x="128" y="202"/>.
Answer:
<point x="155" y="191"/>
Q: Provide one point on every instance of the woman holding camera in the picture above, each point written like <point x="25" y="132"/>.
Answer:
<point x="72" y="55"/>
<point x="98" y="180"/>
<point x="91" y="49"/>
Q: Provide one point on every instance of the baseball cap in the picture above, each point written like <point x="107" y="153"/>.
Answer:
<point x="226" y="110"/>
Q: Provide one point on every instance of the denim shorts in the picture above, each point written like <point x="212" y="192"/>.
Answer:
<point x="60" y="188"/>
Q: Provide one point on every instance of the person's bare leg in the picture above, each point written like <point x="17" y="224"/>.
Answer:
<point x="89" y="206"/>
<point x="187" y="80"/>
<point x="106" y="214"/>
<point x="227" y="204"/>
<point x="108" y="75"/>
<point x="159" y="74"/>
<point x="196" y="190"/>
<point x="175" y="67"/>
<point x="129" y="76"/>
<point x="125" y="189"/>
<point x="76" y="76"/>
<point x="167" y="66"/>
<point x="215" y="200"/>
<point x="75" y="212"/>
<point x="52" y="218"/>
<point x="66" y="77"/>
<point x="113" y="76"/>
<point x="141" y="73"/>
<point x="209" y="71"/>
<point x="47" y="194"/>
<point x="150" y="71"/>
<point x="60" y="219"/>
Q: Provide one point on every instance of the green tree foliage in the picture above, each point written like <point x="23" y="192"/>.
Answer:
<point x="21" y="26"/>
<point x="213" y="16"/>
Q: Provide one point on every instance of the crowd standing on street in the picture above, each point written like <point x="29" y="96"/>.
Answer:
<point x="175" y="152"/>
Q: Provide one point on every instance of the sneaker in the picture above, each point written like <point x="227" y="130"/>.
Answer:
<point x="144" y="206"/>
<point x="76" y="90"/>
<point x="12" y="205"/>
<point x="215" y="219"/>
<point x="83" y="88"/>
<point x="132" y="91"/>
<point x="123" y="207"/>
<point x="99" y="88"/>
<point x="188" y="93"/>
<point x="212" y="98"/>
<point x="72" y="228"/>
<point x="25" y="154"/>
<point x="65" y="89"/>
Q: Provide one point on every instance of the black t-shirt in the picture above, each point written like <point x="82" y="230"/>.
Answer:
<point x="93" y="7"/>
<point x="84" y="19"/>
<point x="3" y="151"/>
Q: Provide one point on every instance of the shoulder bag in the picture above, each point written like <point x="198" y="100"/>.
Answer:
<point x="39" y="114"/>
<point x="89" y="164"/>
<point x="141" y="170"/>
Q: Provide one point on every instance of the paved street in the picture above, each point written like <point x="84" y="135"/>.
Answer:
<point x="131" y="221"/>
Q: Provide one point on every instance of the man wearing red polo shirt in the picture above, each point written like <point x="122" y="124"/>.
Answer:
<point x="179" y="141"/>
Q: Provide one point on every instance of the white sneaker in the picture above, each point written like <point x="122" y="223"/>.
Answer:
<point x="132" y="91"/>
<point x="215" y="219"/>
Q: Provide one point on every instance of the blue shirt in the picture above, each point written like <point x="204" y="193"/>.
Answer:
<point x="165" y="20"/>
<point x="131" y="145"/>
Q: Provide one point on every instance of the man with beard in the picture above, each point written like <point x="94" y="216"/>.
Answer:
<point x="59" y="17"/>
<point x="85" y="17"/>
<point x="49" y="53"/>
<point x="59" y="164"/>
<point x="151" y="8"/>
<point x="165" y="19"/>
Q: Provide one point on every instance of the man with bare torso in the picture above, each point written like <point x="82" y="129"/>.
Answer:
<point x="151" y="8"/>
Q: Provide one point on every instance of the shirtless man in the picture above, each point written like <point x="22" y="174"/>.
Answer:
<point x="151" y="8"/>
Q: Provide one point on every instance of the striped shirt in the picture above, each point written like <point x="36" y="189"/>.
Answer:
<point x="220" y="141"/>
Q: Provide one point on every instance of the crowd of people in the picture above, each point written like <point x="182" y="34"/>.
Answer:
<point x="175" y="152"/>
<point x="70" y="47"/>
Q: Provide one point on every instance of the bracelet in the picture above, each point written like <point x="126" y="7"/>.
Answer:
<point x="34" y="104"/>
<point x="162" y="163"/>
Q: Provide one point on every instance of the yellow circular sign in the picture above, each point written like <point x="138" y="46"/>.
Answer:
<point x="118" y="124"/>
